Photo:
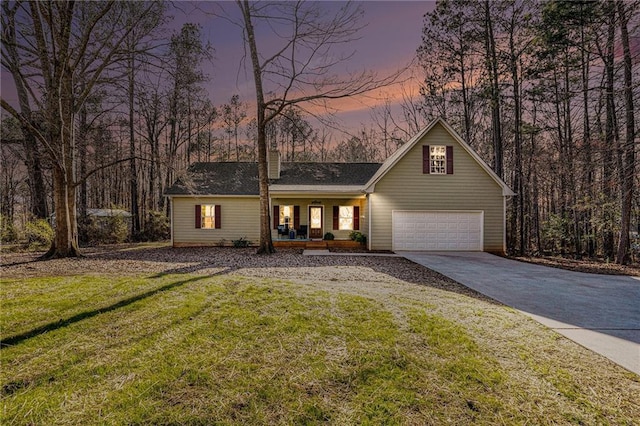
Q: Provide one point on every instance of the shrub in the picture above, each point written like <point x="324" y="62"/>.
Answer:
<point x="358" y="236"/>
<point x="554" y="232"/>
<point x="156" y="227"/>
<point x="635" y="246"/>
<point x="38" y="233"/>
<point x="329" y="236"/>
<point x="242" y="242"/>
<point x="8" y="233"/>
<point x="107" y="230"/>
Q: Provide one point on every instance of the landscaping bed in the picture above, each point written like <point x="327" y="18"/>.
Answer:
<point x="591" y="266"/>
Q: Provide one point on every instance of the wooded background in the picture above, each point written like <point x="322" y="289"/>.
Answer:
<point x="544" y="91"/>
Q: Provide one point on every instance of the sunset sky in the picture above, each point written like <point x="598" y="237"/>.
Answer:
<point x="387" y="43"/>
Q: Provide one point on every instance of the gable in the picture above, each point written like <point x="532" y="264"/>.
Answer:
<point x="438" y="132"/>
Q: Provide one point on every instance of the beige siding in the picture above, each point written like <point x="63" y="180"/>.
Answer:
<point x="328" y="204"/>
<point x="405" y="187"/>
<point x="240" y="217"/>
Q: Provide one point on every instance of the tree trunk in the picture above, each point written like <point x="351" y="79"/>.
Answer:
<point x="82" y="152"/>
<point x="628" y="171"/>
<point x="492" y="68"/>
<point x="266" y="242"/>
<point x="133" y="170"/>
<point x="65" y="243"/>
<point x="588" y="162"/>
<point x="607" y="152"/>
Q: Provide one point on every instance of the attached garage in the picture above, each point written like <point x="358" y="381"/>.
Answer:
<point x="437" y="230"/>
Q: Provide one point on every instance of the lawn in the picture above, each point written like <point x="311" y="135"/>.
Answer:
<point x="342" y="346"/>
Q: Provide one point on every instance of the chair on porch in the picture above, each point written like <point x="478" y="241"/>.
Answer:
<point x="302" y="231"/>
<point x="283" y="230"/>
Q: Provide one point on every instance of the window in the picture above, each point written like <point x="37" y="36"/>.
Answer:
<point x="346" y="218"/>
<point x="438" y="160"/>
<point x="286" y="216"/>
<point x="208" y="216"/>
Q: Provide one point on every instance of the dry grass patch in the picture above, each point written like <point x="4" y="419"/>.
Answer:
<point x="298" y="346"/>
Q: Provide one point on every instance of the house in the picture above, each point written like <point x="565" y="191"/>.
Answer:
<point x="434" y="193"/>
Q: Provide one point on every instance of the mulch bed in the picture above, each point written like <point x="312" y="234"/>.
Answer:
<point x="592" y="266"/>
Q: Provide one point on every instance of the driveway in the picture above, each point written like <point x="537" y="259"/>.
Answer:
<point x="600" y="312"/>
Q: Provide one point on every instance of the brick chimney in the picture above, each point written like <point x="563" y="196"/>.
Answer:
<point x="273" y="163"/>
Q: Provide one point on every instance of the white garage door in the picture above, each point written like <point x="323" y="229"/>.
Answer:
<point x="437" y="230"/>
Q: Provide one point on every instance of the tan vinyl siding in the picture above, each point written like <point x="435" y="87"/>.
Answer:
<point x="405" y="187"/>
<point x="240" y="217"/>
<point x="328" y="204"/>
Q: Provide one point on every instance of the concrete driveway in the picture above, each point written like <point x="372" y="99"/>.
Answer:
<point x="600" y="312"/>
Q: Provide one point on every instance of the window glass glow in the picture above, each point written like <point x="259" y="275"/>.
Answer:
<point x="438" y="160"/>
<point x="286" y="215"/>
<point x="345" y="219"/>
<point x="208" y="212"/>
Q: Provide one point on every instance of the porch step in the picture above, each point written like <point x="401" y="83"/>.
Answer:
<point x="316" y="245"/>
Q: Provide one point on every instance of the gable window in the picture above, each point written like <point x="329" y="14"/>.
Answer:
<point x="208" y="216"/>
<point x="437" y="160"/>
<point x="346" y="218"/>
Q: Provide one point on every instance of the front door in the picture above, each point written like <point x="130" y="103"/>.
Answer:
<point x="315" y="221"/>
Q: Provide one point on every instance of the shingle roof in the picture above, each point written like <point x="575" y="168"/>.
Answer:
<point x="326" y="173"/>
<point x="218" y="179"/>
<point x="242" y="178"/>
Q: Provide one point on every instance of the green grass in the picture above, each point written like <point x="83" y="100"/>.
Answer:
<point x="190" y="349"/>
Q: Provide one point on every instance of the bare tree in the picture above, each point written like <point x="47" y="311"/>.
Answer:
<point x="233" y="114"/>
<point x="32" y="152"/>
<point x="55" y="48"/>
<point x="187" y="52"/>
<point x="303" y="70"/>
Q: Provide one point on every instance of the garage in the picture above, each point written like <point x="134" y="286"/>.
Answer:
<point x="437" y="230"/>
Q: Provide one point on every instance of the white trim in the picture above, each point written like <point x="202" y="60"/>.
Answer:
<point x="396" y="156"/>
<point x="504" y="225"/>
<point x="310" y="196"/>
<point x="171" y="209"/>
<point x="369" y="213"/>
<point x="210" y="196"/>
<point x="358" y="189"/>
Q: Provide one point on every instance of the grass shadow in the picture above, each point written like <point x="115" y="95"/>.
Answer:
<point x="19" y="338"/>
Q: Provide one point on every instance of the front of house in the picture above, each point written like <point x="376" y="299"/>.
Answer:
<point x="434" y="193"/>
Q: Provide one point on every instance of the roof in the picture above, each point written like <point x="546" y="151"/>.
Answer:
<point x="108" y="212"/>
<point x="404" y="149"/>
<point x="242" y="178"/>
<point x="101" y="213"/>
<point x="218" y="179"/>
<point x="324" y="174"/>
